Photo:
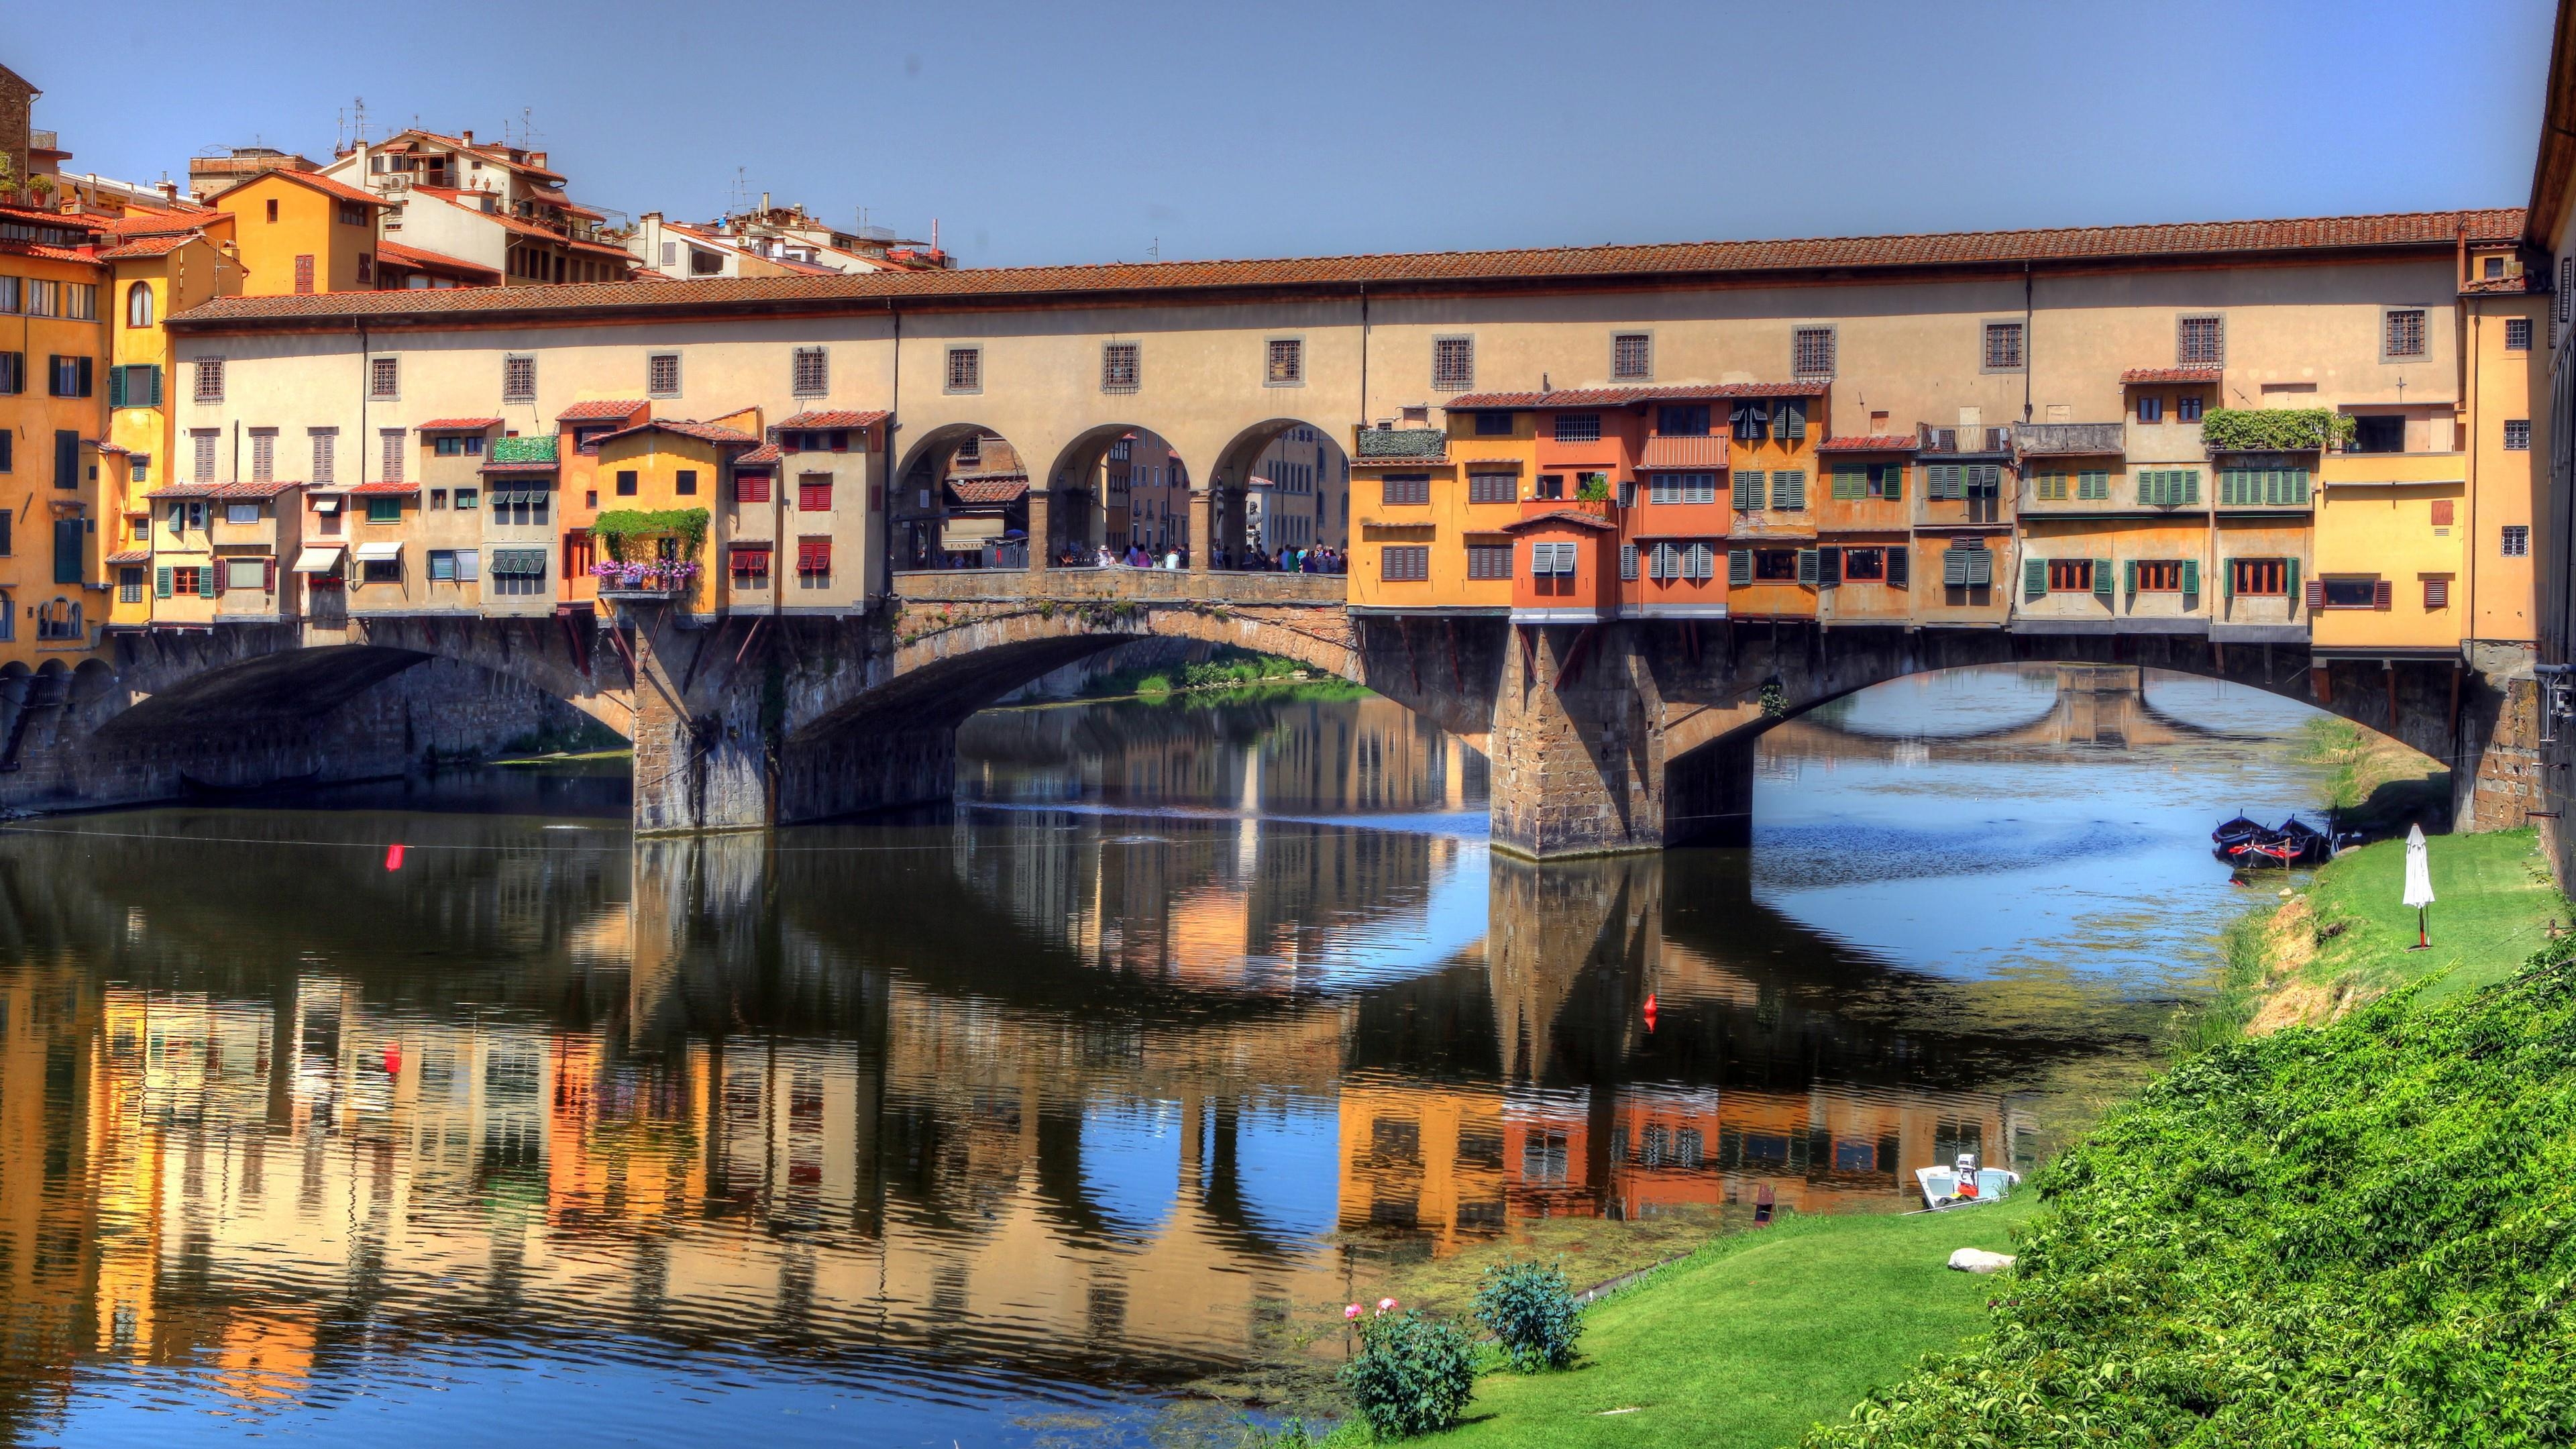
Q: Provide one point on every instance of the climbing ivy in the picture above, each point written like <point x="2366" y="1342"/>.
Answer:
<point x="2274" y="430"/>
<point x="615" y="528"/>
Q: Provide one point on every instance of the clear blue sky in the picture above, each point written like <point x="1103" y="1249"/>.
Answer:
<point x="1061" y="132"/>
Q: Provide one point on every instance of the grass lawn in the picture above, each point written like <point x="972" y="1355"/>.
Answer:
<point x="2494" y="900"/>
<point x="1756" y="1337"/>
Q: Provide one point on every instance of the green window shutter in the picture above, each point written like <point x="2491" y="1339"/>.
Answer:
<point x="2102" y="579"/>
<point x="116" y="387"/>
<point x="2034" y="577"/>
<point x="161" y="582"/>
<point x="1981" y="567"/>
<point x="2226" y="578"/>
<point x="1893" y="479"/>
<point x="1807" y="566"/>
<point x="2191" y="577"/>
<point x="2227" y="486"/>
<point x="1789" y="490"/>
<point x="206" y="581"/>
<point x="2128" y="576"/>
<point x="1850" y="481"/>
<point x="1739" y="566"/>
<point x="1748" y="491"/>
<point x="2298" y="485"/>
<point x="152" y="374"/>
<point x="2290" y="580"/>
<point x="2191" y="485"/>
<point x="2097" y="485"/>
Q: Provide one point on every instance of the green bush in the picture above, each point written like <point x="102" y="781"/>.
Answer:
<point x="1411" y="1376"/>
<point x="1532" y="1312"/>
<point x="2358" y="1235"/>
<point x="2274" y="430"/>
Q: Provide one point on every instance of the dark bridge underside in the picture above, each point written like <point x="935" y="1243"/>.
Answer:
<point x="296" y="685"/>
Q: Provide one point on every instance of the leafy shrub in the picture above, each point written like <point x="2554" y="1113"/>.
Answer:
<point x="2358" y="1235"/>
<point x="1411" y="1376"/>
<point x="1532" y="1311"/>
<point x="2274" y="430"/>
<point x="1290" y="1434"/>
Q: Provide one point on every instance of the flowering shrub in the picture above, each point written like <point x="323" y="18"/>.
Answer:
<point x="653" y="574"/>
<point x="1411" y="1375"/>
<point x="1532" y="1311"/>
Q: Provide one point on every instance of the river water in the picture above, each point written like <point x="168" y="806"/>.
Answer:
<point x="987" y="1123"/>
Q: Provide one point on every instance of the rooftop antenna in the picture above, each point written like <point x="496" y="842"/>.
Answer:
<point x="740" y="200"/>
<point x="358" y="121"/>
<point x="1154" y="249"/>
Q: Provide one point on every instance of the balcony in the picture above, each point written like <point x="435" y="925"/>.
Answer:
<point x="2071" y="439"/>
<point x="1962" y="442"/>
<point x="1401" y="445"/>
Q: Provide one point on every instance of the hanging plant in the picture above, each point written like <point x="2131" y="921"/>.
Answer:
<point x="2274" y="430"/>
<point x="616" y="528"/>
<point x="1775" y="700"/>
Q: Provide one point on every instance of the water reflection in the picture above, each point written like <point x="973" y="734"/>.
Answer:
<point x="1002" y="1114"/>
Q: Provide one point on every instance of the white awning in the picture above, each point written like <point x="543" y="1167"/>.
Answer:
<point x="317" y="560"/>
<point x="958" y="535"/>
<point x="379" y="552"/>
<point x="326" y="505"/>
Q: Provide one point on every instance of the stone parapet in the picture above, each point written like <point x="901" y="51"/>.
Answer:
<point x="1141" y="585"/>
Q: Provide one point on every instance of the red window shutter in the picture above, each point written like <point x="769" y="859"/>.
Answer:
<point x="268" y="578"/>
<point x="840" y="442"/>
<point x="814" y="497"/>
<point x="814" y="555"/>
<point x="751" y="488"/>
<point x="2384" y="595"/>
<point x="2442" y="512"/>
<point x="216" y="569"/>
<point x="2316" y="593"/>
<point x="2437" y="593"/>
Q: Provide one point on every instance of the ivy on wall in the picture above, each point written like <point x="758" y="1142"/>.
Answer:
<point x="2274" y="430"/>
<point x="619" y="526"/>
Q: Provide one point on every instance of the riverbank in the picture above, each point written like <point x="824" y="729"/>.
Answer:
<point x="2393" y="1161"/>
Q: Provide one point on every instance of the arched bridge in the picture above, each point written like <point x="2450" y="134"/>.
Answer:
<point x="1605" y="737"/>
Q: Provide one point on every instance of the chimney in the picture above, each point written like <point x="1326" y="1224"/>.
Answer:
<point x="169" y="190"/>
<point x="538" y="160"/>
<point x="764" y="203"/>
<point x="654" y="217"/>
<point x="466" y="136"/>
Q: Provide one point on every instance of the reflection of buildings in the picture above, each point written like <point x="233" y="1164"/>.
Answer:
<point x="2090" y="706"/>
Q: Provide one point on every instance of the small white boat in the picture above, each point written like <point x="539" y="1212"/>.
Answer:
<point x="1964" y="1183"/>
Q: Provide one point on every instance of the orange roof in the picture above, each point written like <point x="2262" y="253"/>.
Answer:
<point x="1003" y="489"/>
<point x="1871" y="443"/>
<point x="458" y="425"/>
<point x="833" y="420"/>
<point x="2187" y="242"/>
<point x="421" y="261"/>
<point x="508" y="222"/>
<point x="600" y="410"/>
<point x="1575" y="516"/>
<point x="146" y="246"/>
<point x="688" y="428"/>
<point x="1611" y="397"/>
<point x="765" y="454"/>
<point x="384" y="488"/>
<point x="243" y="492"/>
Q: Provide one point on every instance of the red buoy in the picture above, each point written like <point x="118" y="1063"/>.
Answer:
<point x="1650" y="1011"/>
<point x="393" y="857"/>
<point x="393" y="1059"/>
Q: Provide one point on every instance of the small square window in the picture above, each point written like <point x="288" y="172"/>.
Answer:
<point x="385" y="377"/>
<point x="1811" y="352"/>
<point x="1286" y="363"/>
<point x="2517" y="540"/>
<point x="2517" y="435"/>
<point x="1632" y="356"/>
<point x="1453" y="364"/>
<point x="1120" y="366"/>
<point x="2199" y="342"/>
<point x="2404" y="334"/>
<point x="965" y="369"/>
<point x="2517" y="334"/>
<point x="2151" y="408"/>
<point x="518" y="379"/>
<point x="811" y="373"/>
<point x="2003" y="347"/>
<point x="662" y="374"/>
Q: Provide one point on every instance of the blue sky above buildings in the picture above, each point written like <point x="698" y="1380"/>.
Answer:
<point x="1050" y="132"/>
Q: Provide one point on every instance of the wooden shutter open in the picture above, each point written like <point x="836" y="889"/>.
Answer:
<point x="2034" y="578"/>
<point x="1829" y="568"/>
<point x="2383" y="595"/>
<point x="1807" y="566"/>
<point x="2191" y="577"/>
<point x="2316" y="594"/>
<point x="1900" y="566"/>
<point x="1739" y="566"/>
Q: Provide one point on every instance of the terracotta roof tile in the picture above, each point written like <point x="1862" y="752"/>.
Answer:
<point x="1870" y="443"/>
<point x="383" y="488"/>
<point x="156" y="245"/>
<point x="2185" y="241"/>
<point x="2171" y="374"/>
<point x="129" y="556"/>
<point x="457" y="425"/>
<point x="1575" y="516"/>
<point x="600" y="410"/>
<point x="833" y="420"/>
<point x="318" y="182"/>
<point x="230" y="492"/>
<point x="427" y="261"/>
<point x="687" y="428"/>
<point x="2483" y="286"/>
<point x="988" y="490"/>
<point x="1611" y="397"/>
<point x="766" y="453"/>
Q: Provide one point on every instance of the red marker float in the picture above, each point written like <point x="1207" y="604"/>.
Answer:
<point x="393" y="857"/>
<point x="1650" y="1011"/>
<point x="393" y="1059"/>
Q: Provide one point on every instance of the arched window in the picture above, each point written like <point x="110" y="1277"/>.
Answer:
<point x="138" y="305"/>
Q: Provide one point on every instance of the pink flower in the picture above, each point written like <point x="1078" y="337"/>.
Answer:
<point x="1386" y="1305"/>
<point x="1351" y="1312"/>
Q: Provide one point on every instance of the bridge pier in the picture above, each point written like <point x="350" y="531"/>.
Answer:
<point x="696" y="769"/>
<point x="1578" y="764"/>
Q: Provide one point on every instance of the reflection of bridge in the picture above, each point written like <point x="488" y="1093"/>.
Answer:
<point x="908" y="1101"/>
<point x="2092" y="705"/>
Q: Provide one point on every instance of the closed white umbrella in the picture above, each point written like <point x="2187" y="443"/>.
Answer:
<point x="2419" y="883"/>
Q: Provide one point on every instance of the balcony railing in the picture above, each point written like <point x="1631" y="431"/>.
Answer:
<point x="1930" y="440"/>
<point x="2100" y="439"/>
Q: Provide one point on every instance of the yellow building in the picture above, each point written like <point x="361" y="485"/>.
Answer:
<point x="159" y="263"/>
<point x="2390" y="549"/>
<point x="298" y="232"/>
<point x="671" y="467"/>
<point x="53" y="423"/>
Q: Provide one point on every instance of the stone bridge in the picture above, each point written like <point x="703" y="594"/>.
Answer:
<point x="1605" y="737"/>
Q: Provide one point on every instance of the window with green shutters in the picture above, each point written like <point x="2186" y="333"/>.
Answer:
<point x="1887" y="480"/>
<point x="1789" y="490"/>
<point x="1739" y="566"/>
<point x="1967" y="567"/>
<point x="2034" y="576"/>
<point x="161" y="582"/>
<point x="68" y="533"/>
<point x="2191" y="576"/>
<point x="2102" y="579"/>
<point x="1789" y="418"/>
<point x="1851" y="482"/>
<point x="1945" y="480"/>
<point x="2169" y="487"/>
<point x="2094" y="484"/>
<point x="384" y="510"/>
<point x="137" y="385"/>
<point x="1807" y="572"/>
<point x="2262" y="487"/>
<point x="2049" y="487"/>
<point x="1748" y="491"/>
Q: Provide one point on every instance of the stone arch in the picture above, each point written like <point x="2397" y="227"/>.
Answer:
<point x="1229" y="480"/>
<point x="918" y="532"/>
<point x="1084" y="507"/>
<point x="1241" y="461"/>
